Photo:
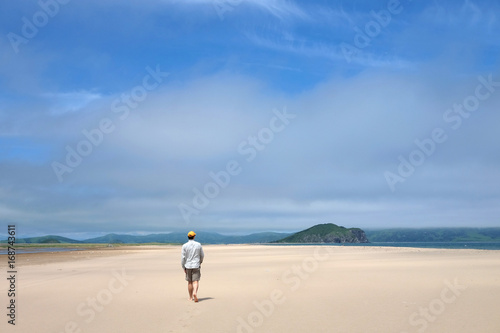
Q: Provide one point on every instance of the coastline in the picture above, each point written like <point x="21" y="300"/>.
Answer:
<point x="24" y="248"/>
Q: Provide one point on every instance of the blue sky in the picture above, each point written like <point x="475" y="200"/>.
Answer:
<point x="242" y="116"/>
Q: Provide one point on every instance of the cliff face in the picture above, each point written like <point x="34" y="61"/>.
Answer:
<point x="327" y="233"/>
<point x="360" y="235"/>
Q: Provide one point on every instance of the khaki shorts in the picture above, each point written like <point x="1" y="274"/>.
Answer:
<point x="193" y="274"/>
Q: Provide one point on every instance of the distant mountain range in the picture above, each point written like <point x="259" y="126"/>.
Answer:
<point x="435" y="235"/>
<point x="322" y="233"/>
<point x="175" y="237"/>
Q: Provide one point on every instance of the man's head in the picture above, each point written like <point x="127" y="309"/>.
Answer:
<point x="191" y="234"/>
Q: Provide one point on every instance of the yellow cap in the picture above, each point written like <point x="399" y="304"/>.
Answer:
<point x="191" y="234"/>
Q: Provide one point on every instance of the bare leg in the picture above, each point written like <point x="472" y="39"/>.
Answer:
<point x="190" y="290"/>
<point x="195" y="290"/>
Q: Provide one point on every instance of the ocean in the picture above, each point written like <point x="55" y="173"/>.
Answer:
<point x="444" y="245"/>
<point x="429" y="245"/>
<point x="39" y="250"/>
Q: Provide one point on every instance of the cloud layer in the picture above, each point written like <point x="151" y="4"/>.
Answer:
<point x="169" y="116"/>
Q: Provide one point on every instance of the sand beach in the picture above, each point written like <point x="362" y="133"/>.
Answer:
<point x="252" y="288"/>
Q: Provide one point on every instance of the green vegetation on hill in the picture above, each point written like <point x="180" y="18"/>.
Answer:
<point x="327" y="233"/>
<point x="435" y="235"/>
<point x="322" y="233"/>
<point x="50" y="239"/>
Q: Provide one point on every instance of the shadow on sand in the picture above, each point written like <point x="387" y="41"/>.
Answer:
<point x="201" y="299"/>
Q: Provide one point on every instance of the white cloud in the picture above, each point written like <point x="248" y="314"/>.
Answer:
<point x="63" y="102"/>
<point x="327" y="166"/>
<point x="281" y="9"/>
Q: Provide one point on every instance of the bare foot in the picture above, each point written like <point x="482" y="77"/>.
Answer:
<point x="195" y="298"/>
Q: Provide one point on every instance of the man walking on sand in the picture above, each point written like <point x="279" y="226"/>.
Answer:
<point x="192" y="257"/>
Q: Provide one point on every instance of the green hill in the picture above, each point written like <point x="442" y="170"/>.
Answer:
<point x="327" y="233"/>
<point x="435" y="235"/>
<point x="49" y="239"/>
<point x="322" y="233"/>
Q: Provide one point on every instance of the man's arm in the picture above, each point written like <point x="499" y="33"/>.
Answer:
<point x="202" y="255"/>
<point x="183" y="258"/>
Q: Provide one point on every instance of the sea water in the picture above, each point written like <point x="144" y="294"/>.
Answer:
<point x="39" y="250"/>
